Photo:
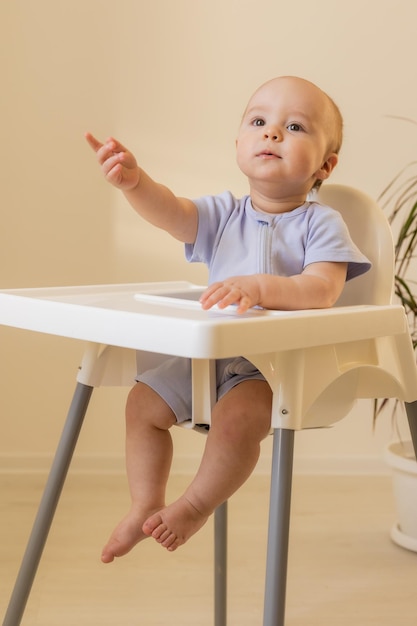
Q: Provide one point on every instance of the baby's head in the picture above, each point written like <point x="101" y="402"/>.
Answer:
<point x="300" y="124"/>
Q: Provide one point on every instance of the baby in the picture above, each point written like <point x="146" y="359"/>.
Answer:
<point x="273" y="249"/>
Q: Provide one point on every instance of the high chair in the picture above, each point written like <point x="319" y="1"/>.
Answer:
<point x="316" y="362"/>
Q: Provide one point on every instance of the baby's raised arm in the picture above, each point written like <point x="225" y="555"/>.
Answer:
<point x="151" y="200"/>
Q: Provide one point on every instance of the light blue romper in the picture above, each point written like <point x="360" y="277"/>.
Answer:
<point x="233" y="239"/>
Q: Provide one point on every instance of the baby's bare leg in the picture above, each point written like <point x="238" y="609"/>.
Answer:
<point x="241" y="419"/>
<point x="148" y="462"/>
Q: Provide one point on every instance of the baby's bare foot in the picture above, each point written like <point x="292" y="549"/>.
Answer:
<point x="173" y="525"/>
<point x="125" y="536"/>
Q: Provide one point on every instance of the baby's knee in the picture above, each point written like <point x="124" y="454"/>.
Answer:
<point x="144" y="404"/>
<point x="235" y="425"/>
<point x="240" y="420"/>
<point x="134" y="400"/>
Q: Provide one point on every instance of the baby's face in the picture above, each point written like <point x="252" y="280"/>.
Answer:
<point x="285" y="136"/>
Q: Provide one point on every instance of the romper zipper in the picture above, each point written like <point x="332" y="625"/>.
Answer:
<point x="264" y="240"/>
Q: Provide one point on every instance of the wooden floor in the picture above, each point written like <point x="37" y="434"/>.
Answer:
<point x="343" y="569"/>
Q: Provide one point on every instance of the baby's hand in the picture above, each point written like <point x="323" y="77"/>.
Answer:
<point x="240" y="290"/>
<point x="117" y="163"/>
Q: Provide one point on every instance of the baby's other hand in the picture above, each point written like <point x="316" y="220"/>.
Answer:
<point x="243" y="291"/>
<point x="119" y="166"/>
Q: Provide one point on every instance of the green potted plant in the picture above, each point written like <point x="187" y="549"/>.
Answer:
<point x="399" y="202"/>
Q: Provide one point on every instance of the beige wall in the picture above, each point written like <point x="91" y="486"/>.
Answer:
<point x="169" y="78"/>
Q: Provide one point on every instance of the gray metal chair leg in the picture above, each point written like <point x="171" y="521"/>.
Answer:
<point x="411" y="409"/>
<point x="279" y="527"/>
<point x="220" y="565"/>
<point x="48" y="505"/>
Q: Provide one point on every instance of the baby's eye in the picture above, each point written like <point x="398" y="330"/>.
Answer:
<point x="258" y="122"/>
<point x="295" y="127"/>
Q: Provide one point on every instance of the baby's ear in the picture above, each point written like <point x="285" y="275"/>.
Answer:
<point x="327" y="167"/>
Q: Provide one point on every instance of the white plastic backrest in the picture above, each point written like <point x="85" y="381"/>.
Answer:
<point x="371" y="232"/>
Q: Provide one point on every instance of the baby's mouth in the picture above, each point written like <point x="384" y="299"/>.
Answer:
<point x="266" y="154"/>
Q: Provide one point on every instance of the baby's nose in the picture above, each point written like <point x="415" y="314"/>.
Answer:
<point x="273" y="133"/>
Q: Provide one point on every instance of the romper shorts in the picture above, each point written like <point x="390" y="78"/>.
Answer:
<point x="172" y="381"/>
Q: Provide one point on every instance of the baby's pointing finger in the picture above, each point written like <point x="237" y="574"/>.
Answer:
<point x="94" y="143"/>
